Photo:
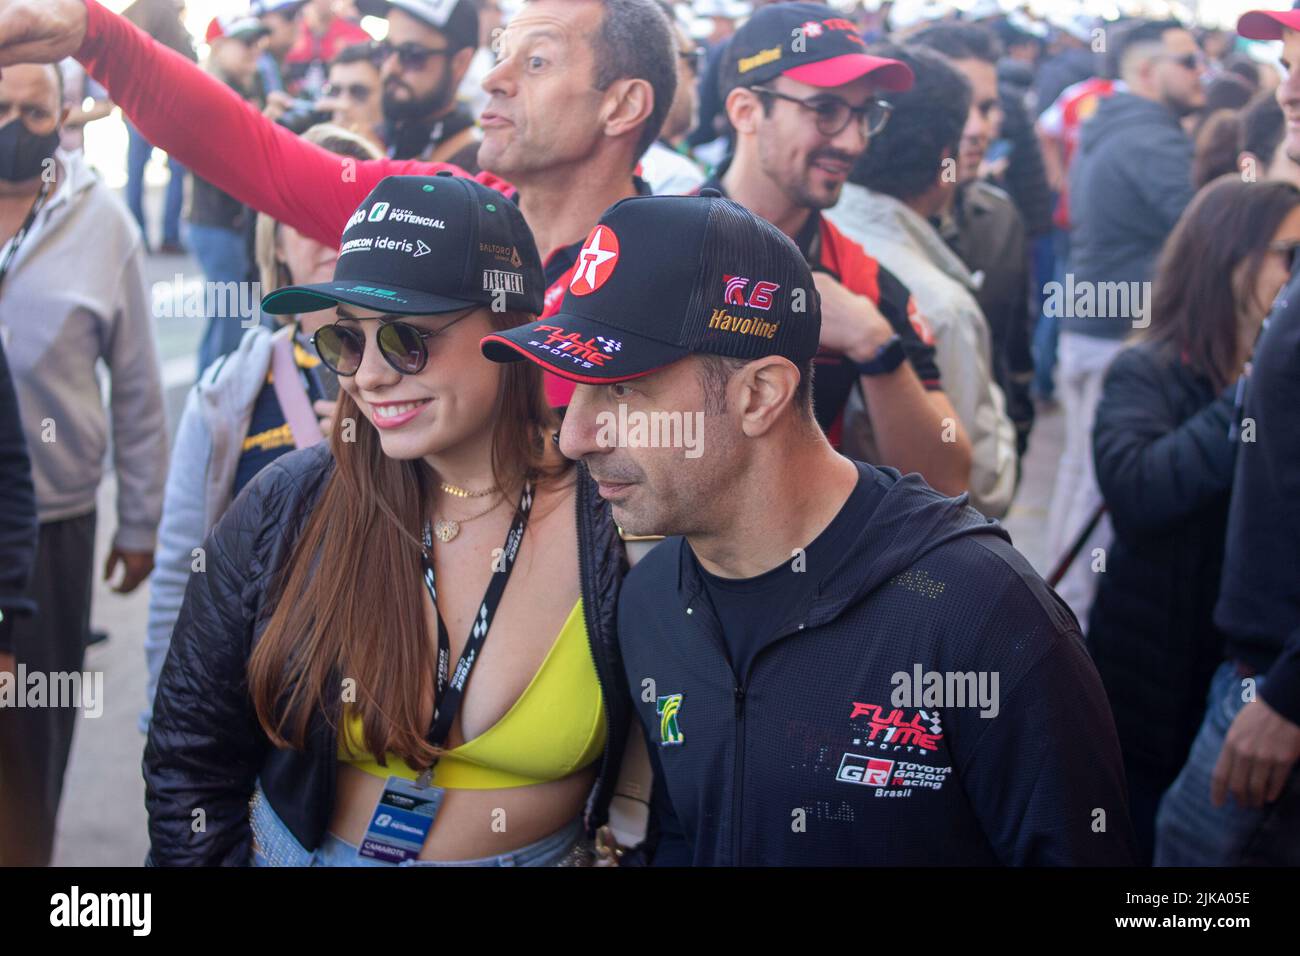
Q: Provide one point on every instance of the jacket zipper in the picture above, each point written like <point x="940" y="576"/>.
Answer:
<point x="736" y="799"/>
<point x="585" y="586"/>
<point x="737" y="789"/>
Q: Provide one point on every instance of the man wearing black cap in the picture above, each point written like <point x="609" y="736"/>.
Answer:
<point x="801" y="92"/>
<point x="833" y="664"/>
<point x="1237" y="800"/>
<point x="429" y="47"/>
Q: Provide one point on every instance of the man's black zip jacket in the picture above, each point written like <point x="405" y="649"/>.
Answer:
<point x="807" y="759"/>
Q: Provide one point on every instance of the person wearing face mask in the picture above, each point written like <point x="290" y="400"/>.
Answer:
<point x="239" y="417"/>
<point x="61" y="313"/>
<point x="419" y="615"/>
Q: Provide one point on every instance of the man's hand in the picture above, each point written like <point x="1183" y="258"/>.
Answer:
<point x="40" y="31"/>
<point x="278" y="103"/>
<point x="1261" y="748"/>
<point x="136" y="566"/>
<point x="7" y="665"/>
<point x="851" y="323"/>
<point x="326" y="412"/>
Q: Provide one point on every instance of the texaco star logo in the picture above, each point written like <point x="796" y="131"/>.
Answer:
<point x="595" y="262"/>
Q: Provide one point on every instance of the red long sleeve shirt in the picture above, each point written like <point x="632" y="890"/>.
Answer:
<point x="199" y="120"/>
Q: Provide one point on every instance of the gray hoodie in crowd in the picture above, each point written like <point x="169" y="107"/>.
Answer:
<point x="75" y="295"/>
<point x="1129" y="183"/>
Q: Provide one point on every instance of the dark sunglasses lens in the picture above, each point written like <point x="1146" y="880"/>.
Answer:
<point x="340" y="349"/>
<point x="402" y="346"/>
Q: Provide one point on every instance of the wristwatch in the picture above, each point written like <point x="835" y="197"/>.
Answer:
<point x="887" y="358"/>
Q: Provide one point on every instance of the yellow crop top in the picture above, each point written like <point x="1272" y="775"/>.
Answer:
<point x="556" y="727"/>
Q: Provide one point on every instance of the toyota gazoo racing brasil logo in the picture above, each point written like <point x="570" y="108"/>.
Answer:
<point x="596" y="261"/>
<point x="868" y="771"/>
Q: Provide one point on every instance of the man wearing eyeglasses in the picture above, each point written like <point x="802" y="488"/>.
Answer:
<point x="909" y="176"/>
<point x="802" y="94"/>
<point x="422" y="62"/>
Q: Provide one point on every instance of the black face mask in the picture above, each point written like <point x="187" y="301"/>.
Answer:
<point x="23" y="153"/>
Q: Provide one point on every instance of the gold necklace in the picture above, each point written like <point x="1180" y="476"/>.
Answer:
<point x="446" y="529"/>
<point x="465" y="492"/>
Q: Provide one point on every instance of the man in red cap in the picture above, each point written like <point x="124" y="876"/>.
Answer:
<point x="803" y="95"/>
<point x="1237" y="800"/>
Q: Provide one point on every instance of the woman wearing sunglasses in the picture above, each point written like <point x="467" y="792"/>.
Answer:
<point x="234" y="422"/>
<point x="1164" y="446"/>
<point x="402" y="649"/>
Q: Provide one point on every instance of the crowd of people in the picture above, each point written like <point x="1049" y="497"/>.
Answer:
<point x="858" y="250"/>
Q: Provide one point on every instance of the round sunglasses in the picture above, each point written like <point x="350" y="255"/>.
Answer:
<point x="404" y="347"/>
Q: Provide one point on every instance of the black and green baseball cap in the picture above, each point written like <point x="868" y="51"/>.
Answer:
<point x="423" y="245"/>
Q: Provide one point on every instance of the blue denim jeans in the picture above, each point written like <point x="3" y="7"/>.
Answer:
<point x="223" y="257"/>
<point x="1190" y="831"/>
<point x="274" y="845"/>
<point x="138" y="152"/>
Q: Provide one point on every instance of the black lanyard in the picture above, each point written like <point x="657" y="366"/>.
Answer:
<point x="449" y="688"/>
<point x="21" y="234"/>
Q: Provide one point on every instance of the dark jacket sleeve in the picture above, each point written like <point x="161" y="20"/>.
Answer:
<point x="1154" y="470"/>
<point x="1045" y="775"/>
<point x="205" y="746"/>
<point x="1026" y="176"/>
<point x="18" y="513"/>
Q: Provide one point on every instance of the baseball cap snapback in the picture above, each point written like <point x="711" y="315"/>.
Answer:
<point x="664" y="277"/>
<point x="808" y="43"/>
<point x="421" y="245"/>
<point x="457" y="20"/>
<point x="1268" y="24"/>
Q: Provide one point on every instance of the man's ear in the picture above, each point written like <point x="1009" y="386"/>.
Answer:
<point x="763" y="392"/>
<point x="628" y="103"/>
<point x="744" y="110"/>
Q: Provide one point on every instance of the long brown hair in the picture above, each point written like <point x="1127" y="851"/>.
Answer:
<point x="348" y="602"/>
<point x="1194" y="307"/>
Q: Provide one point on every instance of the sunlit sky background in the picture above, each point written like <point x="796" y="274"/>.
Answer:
<point x="106" y="139"/>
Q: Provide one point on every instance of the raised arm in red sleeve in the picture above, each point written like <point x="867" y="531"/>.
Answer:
<point x="224" y="140"/>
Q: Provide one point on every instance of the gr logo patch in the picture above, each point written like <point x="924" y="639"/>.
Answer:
<point x="667" y="707"/>
<point x="378" y="213"/>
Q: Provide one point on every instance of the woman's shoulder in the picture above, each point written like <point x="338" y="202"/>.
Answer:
<point x="280" y="494"/>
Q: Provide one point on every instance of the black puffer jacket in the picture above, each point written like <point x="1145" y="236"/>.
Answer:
<point x="206" y="750"/>
<point x="1164" y="464"/>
